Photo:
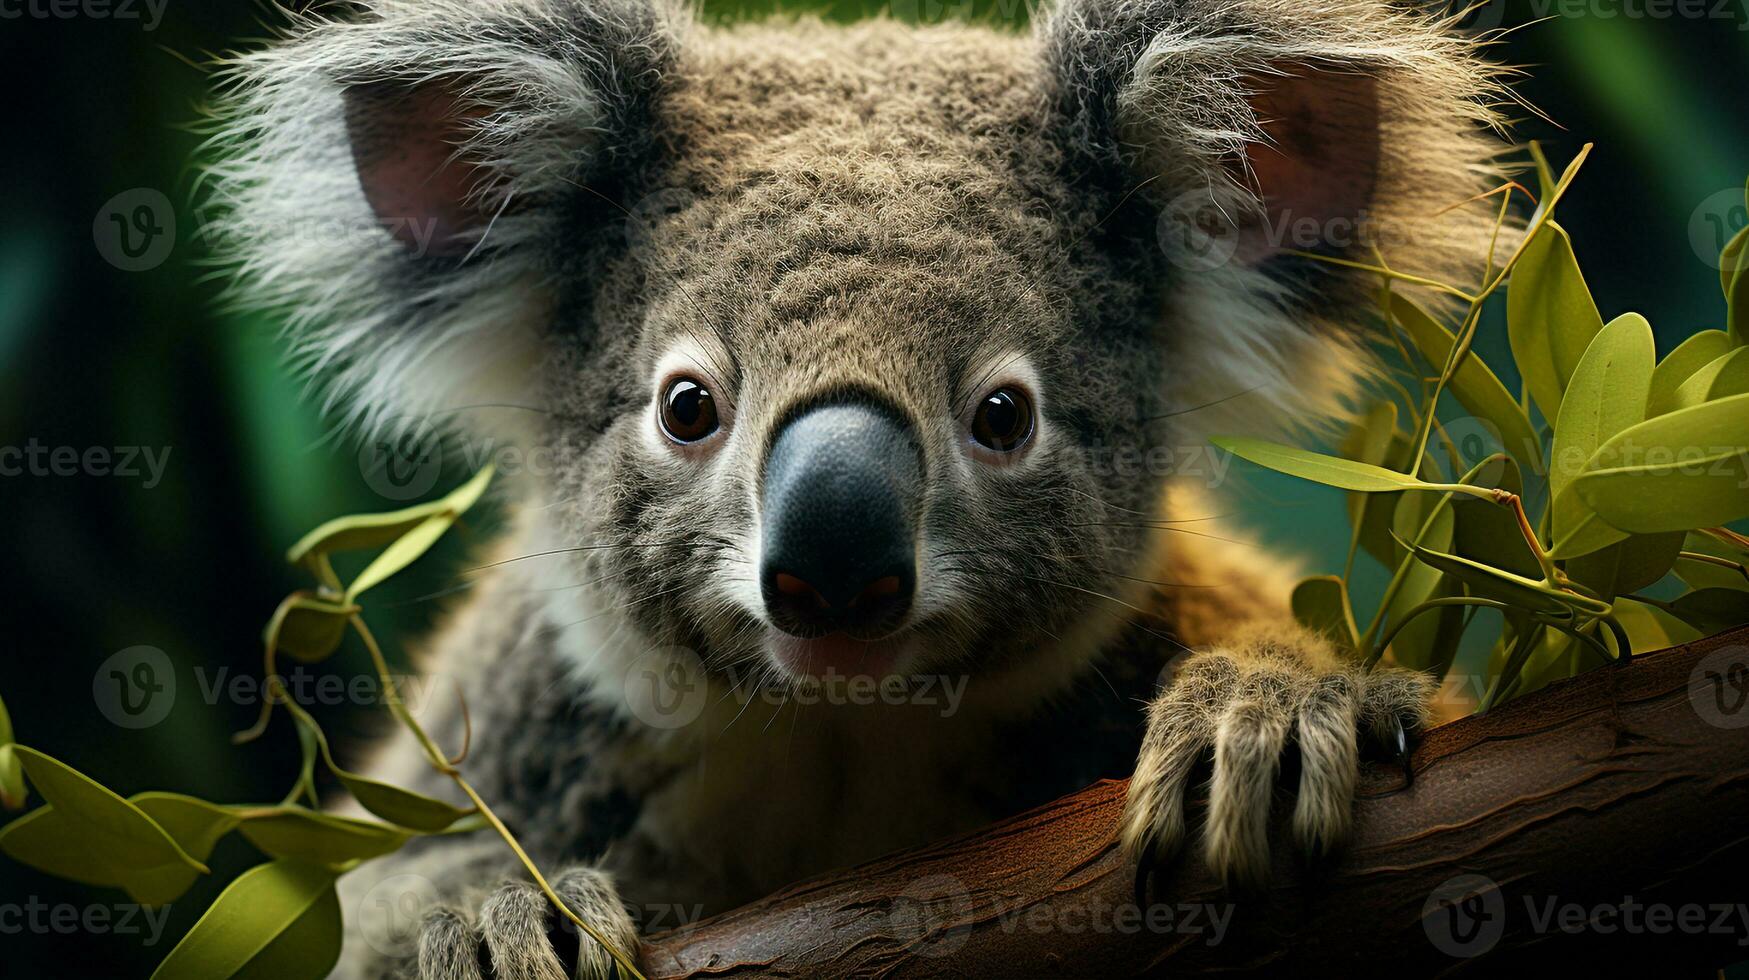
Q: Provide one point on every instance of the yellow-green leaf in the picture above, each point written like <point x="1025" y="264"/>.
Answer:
<point x="89" y="834"/>
<point x="1606" y="395"/>
<point x="1721" y="377"/>
<point x="1321" y="605"/>
<point x="1487" y="532"/>
<point x="1712" y="610"/>
<point x="1627" y="566"/>
<point x="320" y="838"/>
<point x="1685" y="470"/>
<point x="1507" y="587"/>
<point x="1476" y="387"/>
<point x="1331" y="471"/>
<point x="403" y="552"/>
<point x="277" y="921"/>
<point x="13" y="791"/>
<point x="308" y="628"/>
<point x="1731" y="260"/>
<point x="1706" y="575"/>
<point x="401" y="807"/>
<point x="362" y="531"/>
<point x="195" y="825"/>
<point x="1650" y="628"/>
<point x="1550" y="316"/>
<point x="1680" y="364"/>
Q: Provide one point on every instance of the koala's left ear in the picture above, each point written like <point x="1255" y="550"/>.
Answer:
<point x="1302" y="124"/>
<point x="404" y="180"/>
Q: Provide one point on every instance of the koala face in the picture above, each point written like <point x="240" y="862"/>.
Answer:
<point x="834" y="331"/>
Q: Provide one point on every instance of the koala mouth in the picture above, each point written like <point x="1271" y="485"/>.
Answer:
<point x="839" y="655"/>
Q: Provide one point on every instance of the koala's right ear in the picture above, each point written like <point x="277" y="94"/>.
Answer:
<point x="402" y="185"/>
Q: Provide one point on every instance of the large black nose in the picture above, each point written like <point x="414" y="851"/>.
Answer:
<point x="842" y="485"/>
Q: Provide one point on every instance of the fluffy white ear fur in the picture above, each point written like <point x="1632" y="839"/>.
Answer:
<point x="1334" y="127"/>
<point x="421" y="290"/>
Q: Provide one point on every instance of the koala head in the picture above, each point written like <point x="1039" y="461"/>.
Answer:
<point x="830" y="332"/>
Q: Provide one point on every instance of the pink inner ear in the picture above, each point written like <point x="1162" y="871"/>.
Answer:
<point x="1318" y="173"/>
<point x="403" y="143"/>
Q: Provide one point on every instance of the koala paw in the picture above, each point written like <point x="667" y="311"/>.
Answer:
<point x="1244" y="705"/>
<point x="518" y="934"/>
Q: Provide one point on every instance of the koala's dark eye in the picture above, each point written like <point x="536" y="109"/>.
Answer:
<point x="689" y="413"/>
<point x="1003" y="422"/>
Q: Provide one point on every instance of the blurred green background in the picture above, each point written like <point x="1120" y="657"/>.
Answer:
<point x="95" y="356"/>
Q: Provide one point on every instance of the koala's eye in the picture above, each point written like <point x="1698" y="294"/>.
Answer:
<point x="1003" y="421"/>
<point x="689" y="413"/>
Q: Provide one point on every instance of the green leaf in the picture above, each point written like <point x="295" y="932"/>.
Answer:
<point x="1487" y="532"/>
<point x="195" y="825"/>
<point x="1680" y="364"/>
<point x="1430" y="527"/>
<point x="1721" y="377"/>
<point x="1677" y="472"/>
<point x="277" y="921"/>
<point x="308" y="628"/>
<point x="319" y="838"/>
<point x="1737" y="285"/>
<point x="401" y="807"/>
<point x="13" y="791"/>
<point x="1321" y="604"/>
<point x="1329" y="470"/>
<point x="1506" y="587"/>
<point x="1369" y="441"/>
<point x="1705" y="575"/>
<point x="90" y="835"/>
<point x="1476" y="387"/>
<point x="1550" y="317"/>
<point x="1731" y="260"/>
<point x="1606" y="395"/>
<point x="1712" y="611"/>
<point x="362" y="531"/>
<point x="1650" y="628"/>
<point x="407" y="549"/>
<point x="1628" y="566"/>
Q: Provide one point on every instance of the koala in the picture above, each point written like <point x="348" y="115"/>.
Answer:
<point x="847" y="352"/>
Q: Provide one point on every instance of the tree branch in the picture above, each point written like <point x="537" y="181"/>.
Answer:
<point x="1588" y="806"/>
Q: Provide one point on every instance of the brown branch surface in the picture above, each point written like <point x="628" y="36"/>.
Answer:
<point x="1607" y="817"/>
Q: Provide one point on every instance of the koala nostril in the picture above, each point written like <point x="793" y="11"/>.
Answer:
<point x="838" y="512"/>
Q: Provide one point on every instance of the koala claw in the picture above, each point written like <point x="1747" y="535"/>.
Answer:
<point x="1247" y="703"/>
<point x="517" y="936"/>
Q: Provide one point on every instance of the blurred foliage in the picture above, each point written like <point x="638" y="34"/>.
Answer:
<point x="94" y="356"/>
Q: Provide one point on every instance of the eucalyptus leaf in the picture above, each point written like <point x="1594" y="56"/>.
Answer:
<point x="401" y="807"/>
<point x="1506" y="587"/>
<point x="1328" y="470"/>
<point x="403" y="552"/>
<point x="1321" y="604"/>
<point x="1721" y="377"/>
<point x="1731" y="260"/>
<point x="1369" y="441"/>
<point x="1606" y="395"/>
<point x="1737" y="292"/>
<point x="1706" y="575"/>
<point x="308" y="628"/>
<point x="1628" y="566"/>
<point x="1712" y="611"/>
<point x="1650" y="628"/>
<point x="362" y="531"/>
<point x="277" y="921"/>
<point x="1680" y="364"/>
<point x="1476" y="387"/>
<point x="1550" y="316"/>
<point x="195" y="825"/>
<point x="319" y="838"/>
<point x="1488" y="533"/>
<point x="1676" y="472"/>
<point x="1418" y="582"/>
<point x="90" y="835"/>
<point x="13" y="791"/>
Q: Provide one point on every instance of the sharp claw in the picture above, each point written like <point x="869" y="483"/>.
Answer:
<point x="1401" y="737"/>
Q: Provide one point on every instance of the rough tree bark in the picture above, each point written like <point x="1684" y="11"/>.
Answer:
<point x="1605" y="816"/>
